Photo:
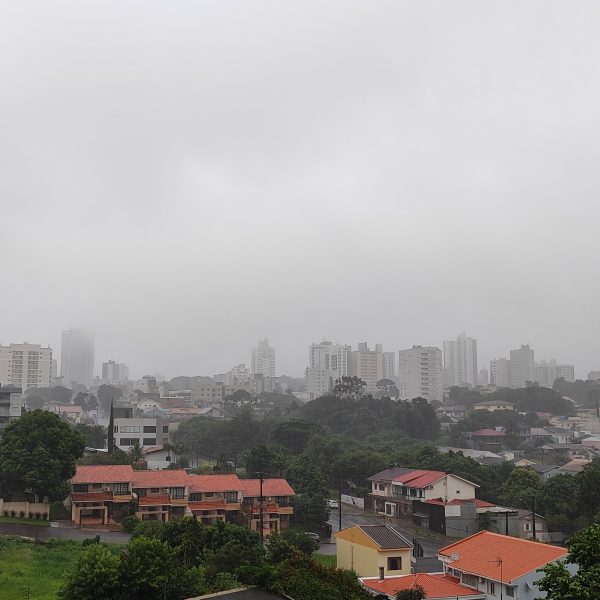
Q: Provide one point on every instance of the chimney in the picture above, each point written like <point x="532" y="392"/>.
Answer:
<point x="381" y="575"/>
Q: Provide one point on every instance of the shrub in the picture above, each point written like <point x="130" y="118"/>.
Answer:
<point x="22" y="514"/>
<point x="45" y="516"/>
<point x="30" y="515"/>
<point x="38" y="515"/>
<point x="13" y="513"/>
<point x="91" y="541"/>
<point x="5" y="513"/>
<point x="129" y="523"/>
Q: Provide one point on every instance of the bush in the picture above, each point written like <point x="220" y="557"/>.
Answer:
<point x="130" y="523"/>
<point x="30" y="516"/>
<point x="5" y="513"/>
<point x="38" y="515"/>
<point x="149" y="529"/>
<point x="45" y="516"/>
<point x="22" y="514"/>
<point x="13" y="513"/>
<point x="91" y="541"/>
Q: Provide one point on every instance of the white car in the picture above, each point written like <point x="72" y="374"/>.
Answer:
<point x="333" y="504"/>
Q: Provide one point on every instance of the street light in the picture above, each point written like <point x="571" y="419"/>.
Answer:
<point x="532" y="510"/>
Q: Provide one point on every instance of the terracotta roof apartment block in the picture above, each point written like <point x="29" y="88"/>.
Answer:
<point x="214" y="483"/>
<point x="103" y="474"/>
<point x="160" y="479"/>
<point x="271" y="487"/>
<point x="478" y="555"/>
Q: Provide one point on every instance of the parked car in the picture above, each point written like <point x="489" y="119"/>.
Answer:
<point x="315" y="537"/>
<point x="333" y="504"/>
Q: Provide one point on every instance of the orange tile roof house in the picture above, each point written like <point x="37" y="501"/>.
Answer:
<point x="490" y="562"/>
<point x="437" y="586"/>
<point x="103" y="494"/>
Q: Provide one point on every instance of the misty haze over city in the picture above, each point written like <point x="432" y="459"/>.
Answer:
<point x="183" y="179"/>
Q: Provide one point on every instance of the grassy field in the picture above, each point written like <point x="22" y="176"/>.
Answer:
<point x="41" y="567"/>
<point x="328" y="560"/>
<point x="38" y="522"/>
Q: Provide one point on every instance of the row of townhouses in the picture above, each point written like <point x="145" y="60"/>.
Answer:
<point x="102" y="495"/>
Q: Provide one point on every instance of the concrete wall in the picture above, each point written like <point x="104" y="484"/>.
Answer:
<point x="29" y="508"/>
<point x="366" y="561"/>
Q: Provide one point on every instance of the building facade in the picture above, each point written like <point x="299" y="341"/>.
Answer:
<point x="147" y="431"/>
<point x="388" y="360"/>
<point x="420" y="373"/>
<point x="522" y="365"/>
<point x="77" y="357"/>
<point x="547" y="372"/>
<point x="367" y="365"/>
<point x="263" y="359"/>
<point x="11" y="403"/>
<point x="460" y="362"/>
<point x="25" y="366"/>
<point x="114" y="373"/>
<point x="326" y="363"/>
<point x="500" y="372"/>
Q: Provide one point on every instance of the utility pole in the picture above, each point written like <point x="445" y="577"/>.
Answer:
<point x="260" y="514"/>
<point x="533" y="517"/>
<point x="339" y="506"/>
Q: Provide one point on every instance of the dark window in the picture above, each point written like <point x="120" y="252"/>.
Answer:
<point x="230" y="497"/>
<point x="195" y="497"/>
<point x="177" y="493"/>
<point x="394" y="563"/>
<point x="97" y="486"/>
<point x="149" y="442"/>
<point x="141" y="492"/>
<point x="510" y="591"/>
<point x="126" y="442"/>
<point x="208" y="494"/>
<point x="80" y="487"/>
<point x="121" y="489"/>
<point x="149" y="429"/>
<point x="165" y="429"/>
<point x="154" y="490"/>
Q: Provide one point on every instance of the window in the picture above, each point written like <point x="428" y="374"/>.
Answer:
<point x="126" y="441"/>
<point x="80" y="487"/>
<point x="130" y="428"/>
<point x="121" y="489"/>
<point x="154" y="490"/>
<point x="469" y="580"/>
<point x="97" y="486"/>
<point x="165" y="429"/>
<point x="230" y="497"/>
<point x="208" y="494"/>
<point x="149" y="442"/>
<point x="177" y="493"/>
<point x="510" y="591"/>
<point x="491" y="588"/>
<point x="149" y="429"/>
<point x="394" y="563"/>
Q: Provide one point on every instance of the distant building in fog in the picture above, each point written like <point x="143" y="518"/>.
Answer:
<point x="263" y="359"/>
<point x="326" y="363"/>
<point x="500" y="372"/>
<point x="77" y="357"/>
<point x="25" y="366"/>
<point x="367" y="365"/>
<point x="594" y="375"/>
<point x="484" y="377"/>
<point x="460" y="361"/>
<point x="548" y="371"/>
<point x="522" y="365"/>
<point x="114" y="372"/>
<point x="388" y="360"/>
<point x="420" y="373"/>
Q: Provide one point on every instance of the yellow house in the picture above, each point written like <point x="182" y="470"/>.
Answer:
<point x="366" y="549"/>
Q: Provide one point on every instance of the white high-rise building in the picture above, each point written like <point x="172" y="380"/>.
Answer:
<point x="327" y="362"/>
<point x="546" y="372"/>
<point x="263" y="359"/>
<point x="77" y="357"/>
<point x="25" y="366"/>
<point x="114" y="372"/>
<point x="594" y="375"/>
<point x="460" y="361"/>
<point x="367" y="365"/>
<point x="521" y="366"/>
<point x="500" y="372"/>
<point x="238" y="375"/>
<point x="484" y="377"/>
<point x="420" y="373"/>
<point x="388" y="360"/>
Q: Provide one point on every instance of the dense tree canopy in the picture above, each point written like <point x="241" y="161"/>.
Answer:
<point x="41" y="449"/>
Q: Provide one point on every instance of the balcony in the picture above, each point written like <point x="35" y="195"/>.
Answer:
<point x="93" y="497"/>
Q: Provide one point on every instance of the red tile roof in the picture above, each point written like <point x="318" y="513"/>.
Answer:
<point x="271" y="487"/>
<point x="92" y="497"/>
<point x="488" y="433"/>
<point x="103" y="474"/>
<point x="157" y="479"/>
<point x="419" y="478"/>
<point x="214" y="483"/>
<point x="478" y="503"/>
<point x="151" y="500"/>
<point x="216" y="505"/>
<point x="435" y="585"/>
<point x="478" y="554"/>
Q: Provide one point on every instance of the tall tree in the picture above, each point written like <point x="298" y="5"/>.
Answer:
<point x="41" y="449"/>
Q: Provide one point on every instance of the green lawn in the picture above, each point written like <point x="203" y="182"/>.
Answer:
<point x="41" y="567"/>
<point x="328" y="560"/>
<point x="38" y="522"/>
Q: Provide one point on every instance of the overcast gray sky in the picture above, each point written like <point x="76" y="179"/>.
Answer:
<point x="185" y="177"/>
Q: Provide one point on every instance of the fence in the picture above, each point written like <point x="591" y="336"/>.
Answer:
<point x="27" y="508"/>
<point x="354" y="501"/>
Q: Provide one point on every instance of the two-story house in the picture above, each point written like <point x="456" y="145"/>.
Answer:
<point x="215" y="497"/>
<point x="498" y="565"/>
<point x="160" y="495"/>
<point x="276" y="508"/>
<point x="393" y="491"/>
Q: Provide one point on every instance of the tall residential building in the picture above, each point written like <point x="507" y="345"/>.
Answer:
<point x="367" y="365"/>
<point x="460" y="361"/>
<point x="548" y="371"/>
<point x="238" y="375"/>
<point x="500" y="372"/>
<point x="25" y="366"/>
<point x="484" y="377"/>
<point x="77" y="357"/>
<point x="114" y="373"/>
<point x="326" y="363"/>
<point x="521" y="366"/>
<point x="420" y="373"/>
<point x="388" y="360"/>
<point x="263" y="359"/>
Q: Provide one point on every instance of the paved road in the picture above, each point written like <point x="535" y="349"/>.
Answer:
<point x="352" y="516"/>
<point x="64" y="533"/>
